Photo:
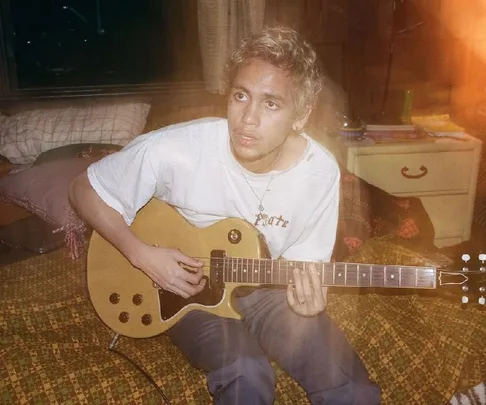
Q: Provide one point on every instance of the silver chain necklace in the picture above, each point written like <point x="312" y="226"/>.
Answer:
<point x="261" y="207"/>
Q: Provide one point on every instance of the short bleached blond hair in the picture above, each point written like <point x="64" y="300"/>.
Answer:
<point x="284" y="48"/>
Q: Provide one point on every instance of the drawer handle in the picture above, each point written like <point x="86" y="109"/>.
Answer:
<point x="423" y="169"/>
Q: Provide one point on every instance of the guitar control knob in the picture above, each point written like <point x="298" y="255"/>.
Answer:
<point x="147" y="319"/>
<point x="482" y="301"/>
<point x="137" y="299"/>
<point x="465" y="299"/>
<point x="115" y="298"/>
<point x="124" y="317"/>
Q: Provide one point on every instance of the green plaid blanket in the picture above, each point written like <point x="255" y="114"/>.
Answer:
<point x="54" y="349"/>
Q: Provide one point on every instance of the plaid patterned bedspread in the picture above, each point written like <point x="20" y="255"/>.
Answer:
<point x="54" y="349"/>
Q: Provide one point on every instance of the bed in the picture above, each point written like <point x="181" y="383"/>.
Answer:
<point x="420" y="347"/>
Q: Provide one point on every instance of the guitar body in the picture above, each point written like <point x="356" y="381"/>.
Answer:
<point x="127" y="300"/>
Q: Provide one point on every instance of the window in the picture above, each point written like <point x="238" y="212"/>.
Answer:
<point x="73" y="43"/>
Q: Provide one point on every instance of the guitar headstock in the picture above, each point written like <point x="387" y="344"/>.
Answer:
<point x="469" y="282"/>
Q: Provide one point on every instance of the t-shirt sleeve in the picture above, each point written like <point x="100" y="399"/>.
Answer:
<point x="316" y="242"/>
<point x="127" y="180"/>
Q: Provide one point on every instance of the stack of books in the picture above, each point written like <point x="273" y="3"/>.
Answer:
<point x="438" y="125"/>
<point x="393" y="133"/>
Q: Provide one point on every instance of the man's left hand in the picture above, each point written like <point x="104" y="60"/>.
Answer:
<point x="307" y="297"/>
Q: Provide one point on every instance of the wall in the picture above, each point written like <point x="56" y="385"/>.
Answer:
<point x="439" y="51"/>
<point x="437" y="48"/>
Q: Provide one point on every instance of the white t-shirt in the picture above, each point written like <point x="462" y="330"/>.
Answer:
<point x="191" y="167"/>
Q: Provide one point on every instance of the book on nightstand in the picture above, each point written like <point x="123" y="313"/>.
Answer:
<point x="438" y="125"/>
<point x="394" y="133"/>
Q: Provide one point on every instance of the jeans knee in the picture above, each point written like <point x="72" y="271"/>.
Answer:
<point x="247" y="380"/>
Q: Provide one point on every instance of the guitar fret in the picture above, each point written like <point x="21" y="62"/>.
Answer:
<point x="378" y="276"/>
<point x="259" y="272"/>
<point x="352" y="276"/>
<point x="271" y="275"/>
<point x="392" y="276"/>
<point x="408" y="277"/>
<point x="361" y="276"/>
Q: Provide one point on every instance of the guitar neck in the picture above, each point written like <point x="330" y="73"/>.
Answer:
<point x="280" y="272"/>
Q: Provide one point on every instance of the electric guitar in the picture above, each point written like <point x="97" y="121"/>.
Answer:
<point x="235" y="255"/>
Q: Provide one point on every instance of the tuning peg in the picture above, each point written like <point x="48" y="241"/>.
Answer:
<point x="465" y="257"/>
<point x="481" y="300"/>
<point x="464" y="299"/>
<point x="482" y="258"/>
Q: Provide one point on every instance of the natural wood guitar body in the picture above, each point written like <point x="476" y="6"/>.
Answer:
<point x="126" y="299"/>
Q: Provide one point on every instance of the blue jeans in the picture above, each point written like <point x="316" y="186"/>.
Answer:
<point x="235" y="354"/>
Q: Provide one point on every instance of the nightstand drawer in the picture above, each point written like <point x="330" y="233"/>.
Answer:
<point x="416" y="172"/>
<point x="447" y="214"/>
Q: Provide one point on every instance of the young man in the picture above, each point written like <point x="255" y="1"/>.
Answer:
<point x="256" y="165"/>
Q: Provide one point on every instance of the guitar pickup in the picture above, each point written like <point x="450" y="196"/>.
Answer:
<point x="216" y="264"/>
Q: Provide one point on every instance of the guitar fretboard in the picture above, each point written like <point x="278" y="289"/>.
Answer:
<point x="280" y="272"/>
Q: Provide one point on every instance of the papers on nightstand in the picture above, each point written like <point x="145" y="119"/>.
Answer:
<point x="439" y="125"/>
<point x="393" y="133"/>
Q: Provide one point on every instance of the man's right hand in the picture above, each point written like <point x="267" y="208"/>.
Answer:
<point x="163" y="266"/>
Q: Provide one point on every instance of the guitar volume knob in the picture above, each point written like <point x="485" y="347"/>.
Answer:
<point x="137" y="299"/>
<point x="115" y="298"/>
<point x="147" y="319"/>
<point x="124" y="317"/>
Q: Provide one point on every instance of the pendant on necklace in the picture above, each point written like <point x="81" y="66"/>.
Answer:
<point x="261" y="207"/>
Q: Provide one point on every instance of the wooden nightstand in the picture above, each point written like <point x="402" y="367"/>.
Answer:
<point x="441" y="171"/>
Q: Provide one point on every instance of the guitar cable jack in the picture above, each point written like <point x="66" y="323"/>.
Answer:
<point x="114" y="341"/>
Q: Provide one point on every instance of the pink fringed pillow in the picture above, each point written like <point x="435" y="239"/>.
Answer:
<point x="43" y="190"/>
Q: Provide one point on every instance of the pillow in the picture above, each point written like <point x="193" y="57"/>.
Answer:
<point x="78" y="150"/>
<point x="24" y="135"/>
<point x="43" y="188"/>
